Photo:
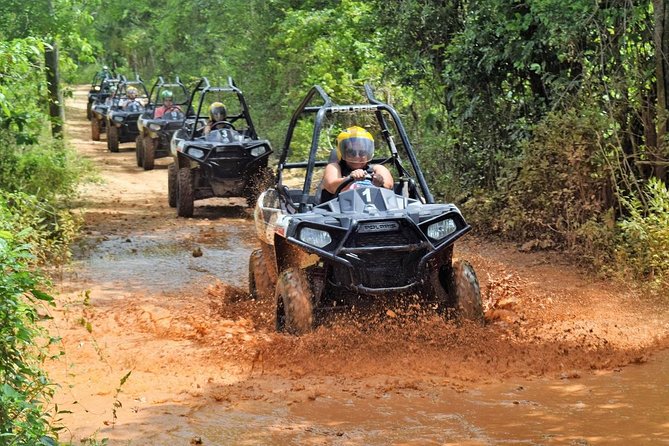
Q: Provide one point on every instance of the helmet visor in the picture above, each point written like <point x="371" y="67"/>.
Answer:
<point x="352" y="149"/>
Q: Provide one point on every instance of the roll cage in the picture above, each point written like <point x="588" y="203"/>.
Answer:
<point x="123" y="85"/>
<point x="328" y="107"/>
<point x="204" y="88"/>
<point x="161" y="85"/>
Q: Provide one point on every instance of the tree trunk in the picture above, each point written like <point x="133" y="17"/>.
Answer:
<point x="661" y="40"/>
<point x="55" y="97"/>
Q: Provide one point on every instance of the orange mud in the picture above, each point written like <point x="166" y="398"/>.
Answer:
<point x="193" y="342"/>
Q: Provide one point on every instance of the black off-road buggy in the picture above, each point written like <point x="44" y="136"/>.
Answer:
<point x="228" y="161"/>
<point x="100" y="106"/>
<point x="365" y="242"/>
<point x="155" y="133"/>
<point x="99" y="90"/>
<point x="123" y="113"/>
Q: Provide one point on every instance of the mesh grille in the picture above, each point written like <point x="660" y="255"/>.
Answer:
<point x="390" y="269"/>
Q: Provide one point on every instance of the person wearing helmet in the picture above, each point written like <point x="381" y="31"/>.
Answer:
<point x="168" y="105"/>
<point x="111" y="99"/>
<point x="132" y="102"/>
<point x="355" y="149"/>
<point x="217" y="117"/>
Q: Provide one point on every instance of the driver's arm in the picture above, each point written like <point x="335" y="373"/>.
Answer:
<point x="332" y="177"/>
<point x="382" y="177"/>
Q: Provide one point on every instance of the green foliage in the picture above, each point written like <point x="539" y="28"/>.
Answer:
<point x="556" y="194"/>
<point x="25" y="390"/>
<point x="52" y="229"/>
<point x="643" y="241"/>
<point x="46" y="170"/>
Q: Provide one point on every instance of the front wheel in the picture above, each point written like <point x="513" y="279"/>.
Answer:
<point x="112" y="138"/>
<point x="295" y="313"/>
<point x="139" y="150"/>
<point x="260" y="282"/>
<point x="465" y="292"/>
<point x="95" y="129"/>
<point x="149" y="153"/>
<point x="185" y="192"/>
<point x="455" y="289"/>
<point x="172" y="185"/>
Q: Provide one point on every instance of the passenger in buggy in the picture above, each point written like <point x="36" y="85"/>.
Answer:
<point x="132" y="104"/>
<point x="168" y="109"/>
<point x="355" y="149"/>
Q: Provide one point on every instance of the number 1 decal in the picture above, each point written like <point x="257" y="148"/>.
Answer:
<point x="367" y="194"/>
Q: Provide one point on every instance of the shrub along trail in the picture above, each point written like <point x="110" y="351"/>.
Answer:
<point x="165" y="299"/>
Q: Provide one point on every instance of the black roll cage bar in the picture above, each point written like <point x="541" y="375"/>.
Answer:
<point x="204" y="87"/>
<point x="160" y="83"/>
<point x="124" y="83"/>
<point x="329" y="107"/>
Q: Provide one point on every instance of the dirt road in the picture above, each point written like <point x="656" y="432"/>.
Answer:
<point x="205" y="366"/>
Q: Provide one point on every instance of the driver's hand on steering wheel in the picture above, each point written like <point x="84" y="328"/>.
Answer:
<point x="378" y="180"/>
<point x="358" y="174"/>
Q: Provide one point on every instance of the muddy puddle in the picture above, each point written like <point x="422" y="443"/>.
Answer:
<point x="168" y="261"/>
<point x="624" y="407"/>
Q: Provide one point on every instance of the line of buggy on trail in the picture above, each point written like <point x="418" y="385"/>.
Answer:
<point x="318" y="250"/>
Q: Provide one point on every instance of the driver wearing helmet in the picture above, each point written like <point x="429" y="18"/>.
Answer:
<point x="111" y="99"/>
<point x="355" y="149"/>
<point x="168" y="105"/>
<point x="217" y="117"/>
<point x="132" y="102"/>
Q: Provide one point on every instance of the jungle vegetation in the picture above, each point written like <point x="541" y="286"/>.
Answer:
<point x="544" y="120"/>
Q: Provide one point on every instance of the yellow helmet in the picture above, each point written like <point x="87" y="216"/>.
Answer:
<point x="355" y="142"/>
<point x="217" y="112"/>
<point x="131" y="90"/>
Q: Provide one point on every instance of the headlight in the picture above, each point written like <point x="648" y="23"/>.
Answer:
<point x="441" y="229"/>
<point x="197" y="153"/>
<point x="154" y="127"/>
<point x="315" y="237"/>
<point x="257" y="151"/>
<point x="118" y="118"/>
<point x="96" y="88"/>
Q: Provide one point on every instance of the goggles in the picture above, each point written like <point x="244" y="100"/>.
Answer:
<point x="357" y="148"/>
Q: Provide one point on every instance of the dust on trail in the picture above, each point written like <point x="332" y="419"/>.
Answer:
<point x="165" y="299"/>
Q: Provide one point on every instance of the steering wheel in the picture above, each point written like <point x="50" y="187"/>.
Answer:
<point x="350" y="180"/>
<point x="223" y="124"/>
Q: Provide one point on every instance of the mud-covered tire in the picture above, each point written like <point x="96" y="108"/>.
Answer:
<point x="149" y="157"/>
<point x="139" y="150"/>
<point x="172" y="185"/>
<point x="455" y="289"/>
<point x="293" y="296"/>
<point x="89" y="113"/>
<point x="112" y="138"/>
<point x="185" y="199"/>
<point x="261" y="285"/>
<point x="95" y="129"/>
<point x="465" y="292"/>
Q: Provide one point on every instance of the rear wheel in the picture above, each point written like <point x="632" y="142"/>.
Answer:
<point x="95" y="129"/>
<point x="149" y="153"/>
<point x="260" y="282"/>
<point x="139" y="150"/>
<point x="172" y="185"/>
<point x="185" y="192"/>
<point x="112" y="138"/>
<point x="295" y="313"/>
